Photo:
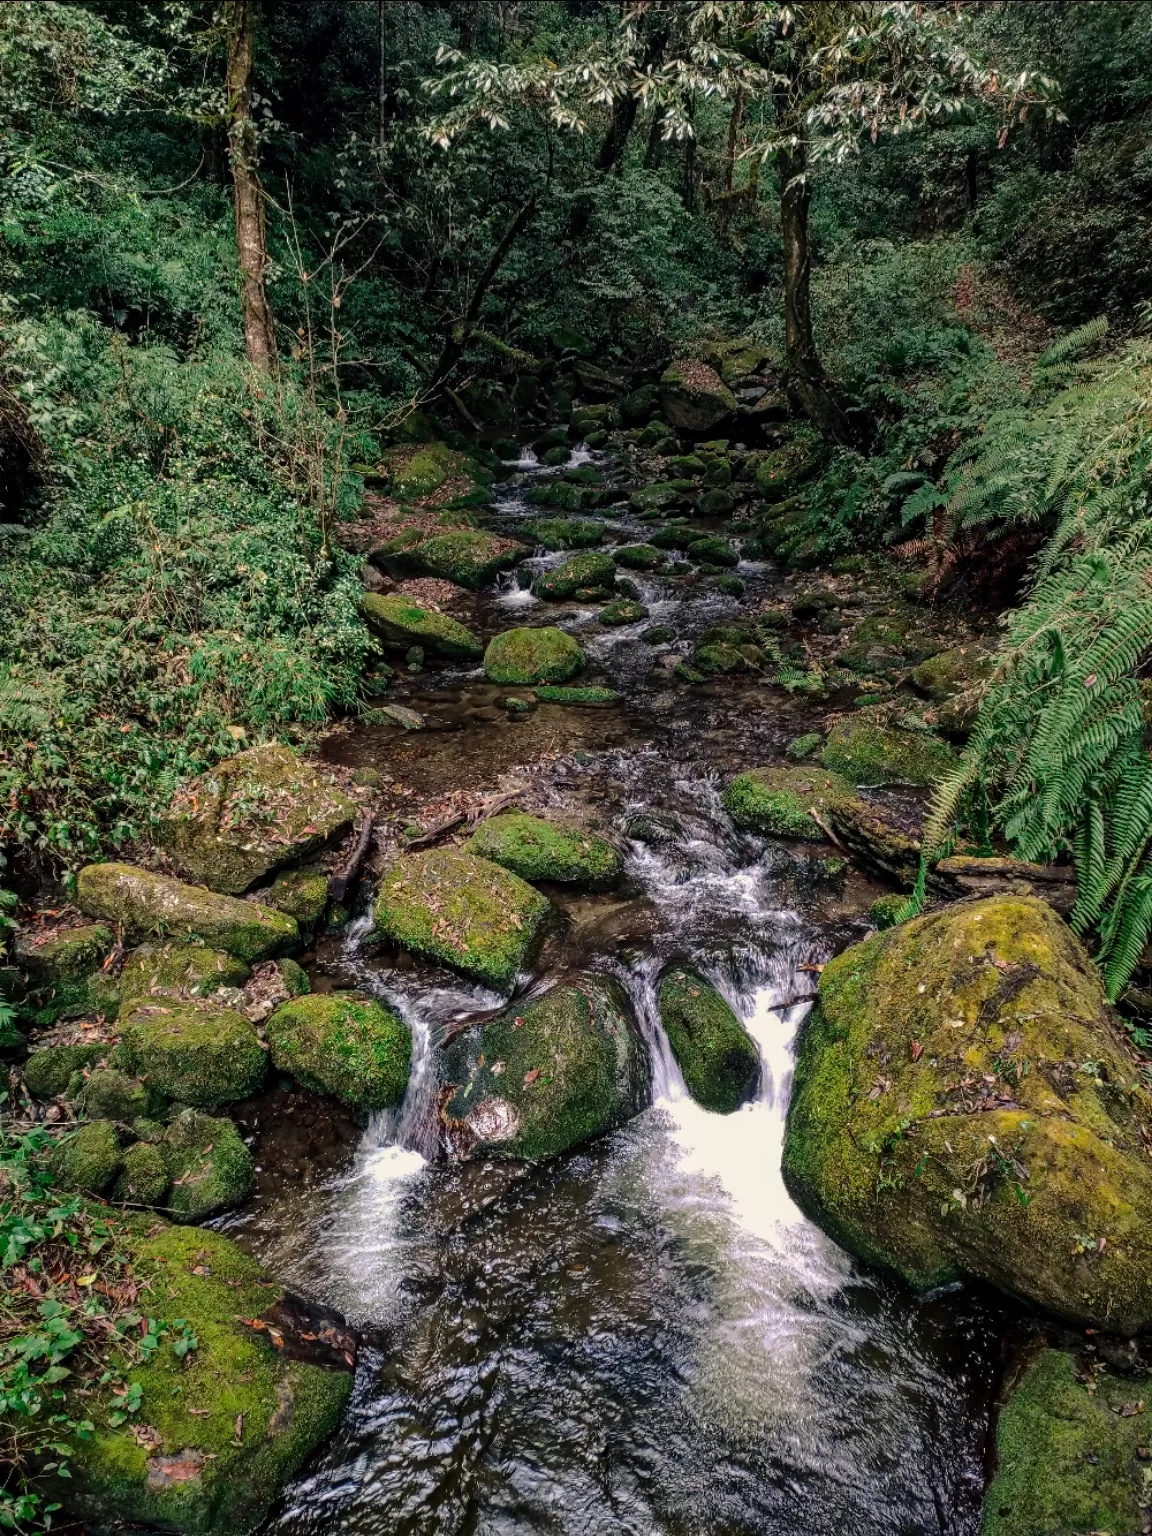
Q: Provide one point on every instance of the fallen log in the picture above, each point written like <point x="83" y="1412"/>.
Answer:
<point x="343" y="877"/>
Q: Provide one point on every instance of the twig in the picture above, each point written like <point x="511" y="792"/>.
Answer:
<point x="827" y="830"/>
<point x="793" y="1002"/>
<point x="342" y="878"/>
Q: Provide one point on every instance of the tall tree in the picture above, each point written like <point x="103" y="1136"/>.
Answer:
<point x="251" y="237"/>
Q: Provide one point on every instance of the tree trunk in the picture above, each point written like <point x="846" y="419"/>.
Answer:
<point x="457" y="337"/>
<point x="611" y="156"/>
<point x="814" y="392"/>
<point x="251" y="244"/>
<point x="655" y="142"/>
<point x="730" y="161"/>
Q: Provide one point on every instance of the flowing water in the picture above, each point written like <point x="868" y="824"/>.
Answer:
<point x="645" y="1336"/>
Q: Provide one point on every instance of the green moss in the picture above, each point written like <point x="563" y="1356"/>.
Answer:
<point x="656" y="498"/>
<point x="179" y="970"/>
<point x="717" y="1056"/>
<point x="884" y="909"/>
<point x="565" y="533"/>
<point x="869" y="753"/>
<point x="302" y="893"/>
<point x="965" y="1103"/>
<point x="294" y="977"/>
<point x="193" y="1052"/>
<point x="65" y="980"/>
<point x="47" y="1072"/>
<point x="545" y="1075"/>
<point x="623" y="611"/>
<point x="638" y="557"/>
<point x="552" y="695"/>
<point x="208" y="1164"/>
<point x="693" y="396"/>
<point x="204" y="1479"/>
<point x="146" y="904"/>
<point x="402" y="623"/>
<point x="89" y="1159"/>
<point x="112" y="1095"/>
<point x="536" y="849"/>
<point x="801" y="747"/>
<point x="252" y="814"/>
<point x="526" y="656"/>
<point x="780" y="473"/>
<point x="582" y="573"/>
<point x="719" y="656"/>
<point x="143" y="1177"/>
<point x="731" y="586"/>
<point x="419" y="472"/>
<point x="465" y="556"/>
<point x="343" y="1044"/>
<point x="776" y="801"/>
<point x="464" y="911"/>
<point x="712" y="550"/>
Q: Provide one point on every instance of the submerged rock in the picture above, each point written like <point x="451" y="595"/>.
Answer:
<point x="546" y="1074"/>
<point x="714" y="1051"/>
<point x="252" y="814"/>
<point x="209" y="1167"/>
<point x="536" y="849"/>
<point x="777" y="802"/>
<point x="583" y="573"/>
<point x="193" y="1051"/>
<point x="694" y="397"/>
<point x="345" y="1044"/>
<point x="264" y="1409"/>
<point x="521" y="657"/>
<point x="462" y="910"/>
<point x="965" y="1104"/>
<point x="867" y="752"/>
<point x="145" y="904"/>
<point x="402" y="623"/>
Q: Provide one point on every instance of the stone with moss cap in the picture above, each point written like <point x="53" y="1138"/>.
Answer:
<point x="466" y="556"/>
<point x="89" y="1158"/>
<point x="777" y="801"/>
<point x="714" y="1051"/>
<point x="64" y="971"/>
<point x="466" y="912"/>
<point x="866" y="752"/>
<point x="47" y="1072"/>
<point x="417" y="472"/>
<point x="195" y="1475"/>
<point x="693" y="396"/>
<point x="536" y="849"/>
<point x="623" y="611"/>
<point x="638" y="557"/>
<point x="582" y="573"/>
<point x="401" y="623"/>
<point x="146" y="904"/>
<point x="711" y="550"/>
<point x="302" y="893"/>
<point x="1069" y="1460"/>
<point x="546" y="1074"/>
<point x="522" y="657"/>
<point x="965" y="1104"/>
<point x="252" y="814"/>
<point x="549" y="694"/>
<point x="209" y="1166"/>
<point x="109" y="1094"/>
<point x="567" y="533"/>
<point x="144" y="1178"/>
<point x="193" y="1051"/>
<point x="179" y="970"/>
<point x="344" y="1044"/>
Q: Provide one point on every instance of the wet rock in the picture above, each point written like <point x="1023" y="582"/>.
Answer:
<point x="402" y="623"/>
<point x="64" y="971"/>
<point x="713" y="551"/>
<point x="216" y="1472"/>
<point x="638" y="557"/>
<point x="536" y="849"/>
<point x="658" y="634"/>
<point x="555" y="456"/>
<point x="179" y="970"/>
<point x="345" y="1044"/>
<point x="545" y="1075"/>
<point x="466" y="556"/>
<point x="144" y="904"/>
<point x="88" y="1159"/>
<point x="879" y="841"/>
<point x="582" y="573"/>
<point x="624" y="611"/>
<point x="714" y="1051"/>
<point x="965" y="1104"/>
<point x="716" y="503"/>
<point x="521" y="657"/>
<point x="777" y="802"/>
<point x="193" y="1051"/>
<point x="867" y="752"/>
<point x="464" y="911"/>
<point x="254" y="813"/>
<point x="566" y="533"/>
<point x="693" y="396"/>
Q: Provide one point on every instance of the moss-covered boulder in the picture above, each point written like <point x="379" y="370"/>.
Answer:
<point x="48" y="1071"/>
<point x="567" y="533"/>
<point x="144" y="1177"/>
<point x="64" y="971"/>
<point x="780" y="473"/>
<point x="588" y="573"/>
<point x="253" y="813"/>
<point x="466" y="556"/>
<point x="965" y="1104"/>
<point x="658" y="497"/>
<point x="546" y="1074"/>
<point x="145" y="904"/>
<point x="180" y="970"/>
<point x="464" y="911"/>
<point x="714" y="1051"/>
<point x="777" y="802"/>
<point x="536" y="849"/>
<point x="693" y="396"/>
<point x="623" y="611"/>
<point x="89" y="1158"/>
<point x="261" y="1410"/>
<point x="866" y="752"/>
<point x="523" y="657"/>
<point x="401" y="624"/>
<point x="736" y="357"/>
<point x="110" y="1094"/>
<point x="345" y="1044"/>
<point x="302" y="893"/>
<point x="1071" y="1452"/>
<point x="711" y="550"/>
<point x="192" y="1051"/>
<point x="209" y="1166"/>
<point x="420" y="471"/>
<point x="638" y="557"/>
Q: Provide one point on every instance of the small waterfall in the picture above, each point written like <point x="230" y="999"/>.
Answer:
<point x="527" y="459"/>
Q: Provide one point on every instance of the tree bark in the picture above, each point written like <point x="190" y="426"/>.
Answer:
<point x="251" y="243"/>
<point x="611" y="156"/>
<point x="457" y="337"/>
<point x="734" y="122"/>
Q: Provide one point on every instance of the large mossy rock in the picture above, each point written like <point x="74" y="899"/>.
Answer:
<point x="253" y="813"/>
<point x="566" y="533"/>
<point x="524" y="657"/>
<point x="89" y="1159"/>
<point x="736" y="357"/>
<point x="179" y="970"/>
<point x="1070" y="1461"/>
<point x="64" y="971"/>
<point x="466" y="556"/>
<point x="464" y="911"/>
<point x="209" y="1168"/>
<point x="589" y="573"/>
<point x="965" y="1104"/>
<point x="866" y="752"/>
<point x="781" y="473"/>
<point x="955" y="681"/>
<point x="144" y="905"/>
<point x="694" y="397"/>
<point x="197" y="1474"/>
<point x="48" y="1071"/>
<point x="345" y="1044"/>
<point x="418" y="472"/>
<point x="714" y="1051"/>
<point x="545" y="1075"/>
<point x="776" y="802"/>
<point x="401" y="624"/>
<point x="194" y="1052"/>
<point x="536" y="849"/>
